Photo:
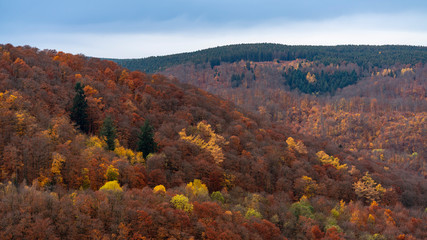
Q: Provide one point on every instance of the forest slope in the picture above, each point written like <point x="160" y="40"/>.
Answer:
<point x="218" y="172"/>
<point x="369" y="99"/>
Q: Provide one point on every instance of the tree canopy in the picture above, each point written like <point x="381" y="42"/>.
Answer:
<point x="363" y="55"/>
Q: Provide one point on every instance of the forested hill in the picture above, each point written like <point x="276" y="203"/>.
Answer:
<point x="91" y="150"/>
<point x="363" y="55"/>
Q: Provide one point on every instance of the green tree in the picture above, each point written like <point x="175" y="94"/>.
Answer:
<point x="146" y="143"/>
<point x="79" y="109"/>
<point x="217" y="196"/>
<point x="248" y="66"/>
<point x="109" y="132"/>
<point x="303" y="208"/>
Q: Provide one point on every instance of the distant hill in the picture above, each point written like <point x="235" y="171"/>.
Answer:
<point x="363" y="55"/>
<point x="343" y="93"/>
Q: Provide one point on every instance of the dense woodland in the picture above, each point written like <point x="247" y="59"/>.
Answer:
<point x="363" y="55"/>
<point x="91" y="150"/>
<point x="379" y="113"/>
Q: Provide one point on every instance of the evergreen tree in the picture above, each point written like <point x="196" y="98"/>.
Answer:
<point x="109" y="131"/>
<point x="79" y="109"/>
<point x="146" y="143"/>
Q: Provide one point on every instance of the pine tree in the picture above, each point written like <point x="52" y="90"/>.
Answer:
<point x="109" y="132"/>
<point x="146" y="143"/>
<point x="79" y="109"/>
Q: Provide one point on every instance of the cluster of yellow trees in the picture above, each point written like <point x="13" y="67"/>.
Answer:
<point x="296" y="145"/>
<point x="334" y="161"/>
<point x="204" y="137"/>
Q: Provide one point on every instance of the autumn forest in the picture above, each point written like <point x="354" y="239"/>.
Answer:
<point x="249" y="141"/>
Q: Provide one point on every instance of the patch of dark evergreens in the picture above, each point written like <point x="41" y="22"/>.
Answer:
<point x="323" y="83"/>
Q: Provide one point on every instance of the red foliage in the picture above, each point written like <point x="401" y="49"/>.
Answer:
<point x="316" y="233"/>
<point x="266" y="229"/>
<point x="333" y="234"/>
<point x="156" y="177"/>
<point x="207" y="210"/>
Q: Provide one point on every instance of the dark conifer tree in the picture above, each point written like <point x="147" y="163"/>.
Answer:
<point x="79" y="110"/>
<point x="109" y="132"/>
<point x="146" y="143"/>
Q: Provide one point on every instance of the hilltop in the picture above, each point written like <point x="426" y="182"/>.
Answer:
<point x="363" y="55"/>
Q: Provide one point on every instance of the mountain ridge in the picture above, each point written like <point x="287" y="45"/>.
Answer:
<point x="271" y="51"/>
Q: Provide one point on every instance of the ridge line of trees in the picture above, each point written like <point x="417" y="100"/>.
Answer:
<point x="364" y="55"/>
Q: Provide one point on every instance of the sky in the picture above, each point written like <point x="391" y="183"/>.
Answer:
<point x="136" y="29"/>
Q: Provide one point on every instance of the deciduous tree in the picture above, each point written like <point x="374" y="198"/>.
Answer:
<point x="368" y="189"/>
<point x="181" y="202"/>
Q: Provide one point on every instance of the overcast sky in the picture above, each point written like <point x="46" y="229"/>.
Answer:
<point x="135" y="29"/>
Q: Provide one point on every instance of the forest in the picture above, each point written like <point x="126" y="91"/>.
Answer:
<point x="319" y="83"/>
<point x="224" y="150"/>
<point x="366" y="56"/>
<point x="377" y="112"/>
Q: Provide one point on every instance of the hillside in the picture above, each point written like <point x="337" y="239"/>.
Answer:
<point x="72" y="130"/>
<point x="369" y="99"/>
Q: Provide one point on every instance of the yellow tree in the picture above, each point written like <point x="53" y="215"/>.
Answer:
<point x="197" y="188"/>
<point x="311" y="78"/>
<point x="124" y="76"/>
<point x="24" y="122"/>
<point x="206" y="139"/>
<point x="306" y="185"/>
<point x="253" y="213"/>
<point x="57" y="161"/>
<point x="111" y="186"/>
<point x="160" y="189"/>
<point x="334" y="161"/>
<point x="181" y="202"/>
<point x="368" y="189"/>
<point x="128" y="154"/>
<point x="297" y="146"/>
